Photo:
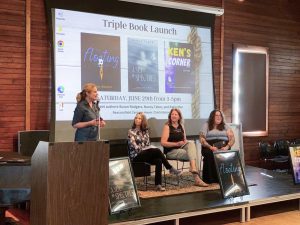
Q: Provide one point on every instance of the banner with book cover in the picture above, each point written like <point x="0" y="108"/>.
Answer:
<point x="122" y="189"/>
<point x="231" y="173"/>
<point x="295" y="162"/>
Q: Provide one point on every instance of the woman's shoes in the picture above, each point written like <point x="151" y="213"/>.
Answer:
<point x="159" y="188"/>
<point x="200" y="183"/>
<point x="194" y="172"/>
<point x="173" y="171"/>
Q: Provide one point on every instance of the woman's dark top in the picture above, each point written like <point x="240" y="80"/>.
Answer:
<point x="175" y="135"/>
<point x="84" y="113"/>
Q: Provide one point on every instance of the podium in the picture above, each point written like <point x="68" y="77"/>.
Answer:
<point x="69" y="183"/>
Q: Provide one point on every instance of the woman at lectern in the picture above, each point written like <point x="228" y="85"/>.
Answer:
<point x="140" y="149"/>
<point x="86" y="119"/>
<point x="214" y="135"/>
<point x="177" y="147"/>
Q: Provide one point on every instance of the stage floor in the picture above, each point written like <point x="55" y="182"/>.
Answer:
<point x="265" y="187"/>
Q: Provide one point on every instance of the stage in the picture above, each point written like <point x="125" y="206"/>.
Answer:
<point x="265" y="187"/>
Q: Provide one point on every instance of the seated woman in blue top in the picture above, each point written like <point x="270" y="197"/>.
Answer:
<point x="140" y="149"/>
<point x="86" y="117"/>
<point x="176" y="146"/>
<point x="215" y="135"/>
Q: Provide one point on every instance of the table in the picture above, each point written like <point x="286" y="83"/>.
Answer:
<point x="15" y="176"/>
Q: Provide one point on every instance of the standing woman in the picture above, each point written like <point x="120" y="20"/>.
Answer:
<point x="86" y="117"/>
<point x="215" y="135"/>
<point x="176" y="146"/>
<point x="140" y="149"/>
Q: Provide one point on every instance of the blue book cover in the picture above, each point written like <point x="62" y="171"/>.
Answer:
<point x="179" y="75"/>
<point x="142" y="65"/>
<point x="100" y="61"/>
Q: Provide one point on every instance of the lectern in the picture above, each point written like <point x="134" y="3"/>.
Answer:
<point x="70" y="183"/>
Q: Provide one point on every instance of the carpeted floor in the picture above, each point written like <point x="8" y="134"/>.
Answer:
<point x="186" y="185"/>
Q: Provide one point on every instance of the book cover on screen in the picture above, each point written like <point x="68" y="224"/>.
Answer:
<point x="142" y="65"/>
<point x="100" y="61"/>
<point x="179" y="77"/>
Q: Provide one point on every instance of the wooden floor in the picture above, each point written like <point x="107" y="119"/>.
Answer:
<point x="285" y="213"/>
<point x="287" y="218"/>
<point x="282" y="213"/>
<point x="277" y="218"/>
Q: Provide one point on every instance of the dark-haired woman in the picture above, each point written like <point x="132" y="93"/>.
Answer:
<point x="176" y="146"/>
<point x="215" y="135"/>
<point x="86" y="117"/>
<point x="140" y="149"/>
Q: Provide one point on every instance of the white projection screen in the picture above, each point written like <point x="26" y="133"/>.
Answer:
<point x="138" y="65"/>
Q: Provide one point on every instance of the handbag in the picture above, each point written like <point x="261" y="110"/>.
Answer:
<point x="219" y="144"/>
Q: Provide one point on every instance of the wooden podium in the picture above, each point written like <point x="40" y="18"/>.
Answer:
<point x="70" y="183"/>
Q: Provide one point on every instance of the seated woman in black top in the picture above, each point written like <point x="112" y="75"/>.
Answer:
<point x="176" y="146"/>
<point x="140" y="149"/>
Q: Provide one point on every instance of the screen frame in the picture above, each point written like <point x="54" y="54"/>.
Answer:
<point x="125" y="9"/>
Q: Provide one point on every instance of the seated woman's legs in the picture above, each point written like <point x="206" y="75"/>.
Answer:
<point x="155" y="157"/>
<point x="158" y="169"/>
<point x="155" y="153"/>
<point x="188" y="154"/>
<point x="148" y="157"/>
<point x="209" y="169"/>
<point x="192" y="155"/>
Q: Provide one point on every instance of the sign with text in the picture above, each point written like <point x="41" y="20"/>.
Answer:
<point x="231" y="173"/>
<point x="122" y="190"/>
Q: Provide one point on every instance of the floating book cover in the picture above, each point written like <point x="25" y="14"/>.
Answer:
<point x="179" y="77"/>
<point x="142" y="65"/>
<point x="230" y="173"/>
<point x="100" y="61"/>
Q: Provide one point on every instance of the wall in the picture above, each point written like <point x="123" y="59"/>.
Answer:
<point x="273" y="24"/>
<point x="276" y="25"/>
<point x="13" y="68"/>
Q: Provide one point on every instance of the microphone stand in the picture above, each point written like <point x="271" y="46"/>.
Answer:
<point x="99" y="120"/>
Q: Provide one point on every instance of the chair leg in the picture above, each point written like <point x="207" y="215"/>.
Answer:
<point x="165" y="178"/>
<point x="177" y="176"/>
<point x="146" y="183"/>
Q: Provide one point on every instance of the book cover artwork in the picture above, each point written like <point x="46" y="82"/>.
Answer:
<point x="100" y="61"/>
<point x="179" y="76"/>
<point x="295" y="162"/>
<point x="142" y="65"/>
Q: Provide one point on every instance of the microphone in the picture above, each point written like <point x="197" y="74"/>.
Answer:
<point x="97" y="101"/>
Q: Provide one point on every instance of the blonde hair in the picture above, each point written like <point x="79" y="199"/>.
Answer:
<point x="87" y="88"/>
